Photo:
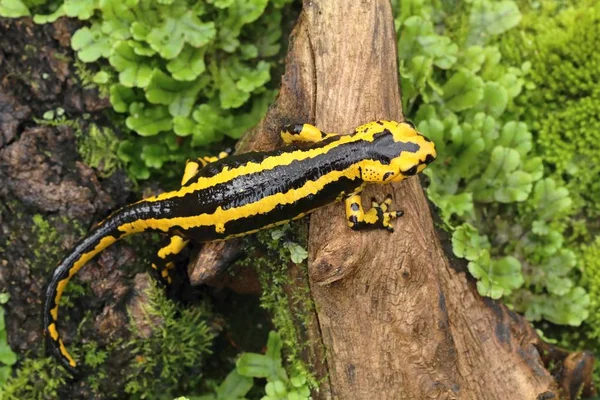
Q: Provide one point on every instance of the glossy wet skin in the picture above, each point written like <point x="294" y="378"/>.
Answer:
<point x="241" y="194"/>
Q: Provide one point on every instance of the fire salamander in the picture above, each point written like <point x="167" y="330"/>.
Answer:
<point x="225" y="197"/>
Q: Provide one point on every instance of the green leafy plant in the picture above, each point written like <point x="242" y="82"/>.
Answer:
<point x="506" y="219"/>
<point x="184" y="74"/>
<point x="7" y="357"/>
<point x="279" y="386"/>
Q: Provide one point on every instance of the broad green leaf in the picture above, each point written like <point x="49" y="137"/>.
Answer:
<point x="516" y="188"/>
<point x="535" y="167"/>
<point x="13" y="9"/>
<point x="460" y="205"/>
<point x="91" y="44"/>
<point x="415" y="74"/>
<point x="234" y="386"/>
<point x="121" y="97"/>
<point x="297" y="252"/>
<point x="274" y="346"/>
<point x="179" y="96"/>
<point x="49" y="18"/>
<point x="169" y="38"/>
<point x="80" y="9"/>
<point x="441" y="49"/>
<point x="117" y="19"/>
<point x="4" y="298"/>
<point x="434" y="129"/>
<point x="221" y="3"/>
<point x="515" y="135"/>
<point x="462" y="91"/>
<point x="495" y="99"/>
<point x="472" y="58"/>
<point x="148" y="121"/>
<point x="549" y="200"/>
<point x="496" y="278"/>
<point x="134" y="70"/>
<point x="569" y="309"/>
<point x="556" y="271"/>
<point x="256" y="366"/>
<point x="183" y="126"/>
<point x="208" y="120"/>
<point x="154" y="155"/>
<point x="256" y="78"/>
<point x="276" y="389"/>
<point x="413" y="28"/>
<point x="468" y="243"/>
<point x="188" y="65"/>
<point x="230" y="94"/>
<point x="489" y="18"/>
<point x="141" y="48"/>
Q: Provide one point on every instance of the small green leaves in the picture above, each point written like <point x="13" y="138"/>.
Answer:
<point x="81" y="9"/>
<point x="570" y="309"/>
<point x="491" y="18"/>
<point x="179" y="96"/>
<point x="264" y="366"/>
<point x="496" y="278"/>
<point x="121" y="97"/>
<point x="467" y="243"/>
<point x="148" y="120"/>
<point x="169" y="38"/>
<point x="550" y="200"/>
<point x="188" y="65"/>
<point x="297" y="252"/>
<point x="462" y="91"/>
<point x="13" y="9"/>
<point x="502" y="181"/>
<point x="135" y="70"/>
<point x="91" y="44"/>
<point x="7" y="356"/>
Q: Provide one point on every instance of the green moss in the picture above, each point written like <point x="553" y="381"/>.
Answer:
<point x="98" y="148"/>
<point x="169" y="361"/>
<point x="590" y="257"/>
<point x="36" y="379"/>
<point x="562" y="104"/>
<point x="289" y="303"/>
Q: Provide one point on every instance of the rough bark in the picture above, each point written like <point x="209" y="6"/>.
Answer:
<point x="397" y="319"/>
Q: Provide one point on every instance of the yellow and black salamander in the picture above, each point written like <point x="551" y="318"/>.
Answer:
<point x="233" y="196"/>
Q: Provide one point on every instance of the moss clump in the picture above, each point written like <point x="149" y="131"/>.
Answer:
<point x="289" y="303"/>
<point x="563" y="103"/>
<point x="98" y="148"/>
<point x="169" y="361"/>
<point x="590" y="257"/>
<point x="36" y="379"/>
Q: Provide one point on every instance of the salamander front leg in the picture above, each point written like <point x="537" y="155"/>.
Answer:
<point x="378" y="216"/>
<point x="303" y="133"/>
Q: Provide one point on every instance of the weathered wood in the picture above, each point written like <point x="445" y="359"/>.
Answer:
<point x="396" y="319"/>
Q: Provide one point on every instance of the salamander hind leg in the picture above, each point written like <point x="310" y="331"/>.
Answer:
<point x="303" y="133"/>
<point x="379" y="216"/>
<point x="164" y="262"/>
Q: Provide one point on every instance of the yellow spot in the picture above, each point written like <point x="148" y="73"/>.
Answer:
<point x="175" y="246"/>
<point x="52" y="331"/>
<point x="191" y="168"/>
<point x="65" y="353"/>
<point x="220" y="228"/>
<point x="154" y="266"/>
<point x="60" y="287"/>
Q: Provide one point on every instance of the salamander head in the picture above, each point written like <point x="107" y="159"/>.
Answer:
<point x="397" y="152"/>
